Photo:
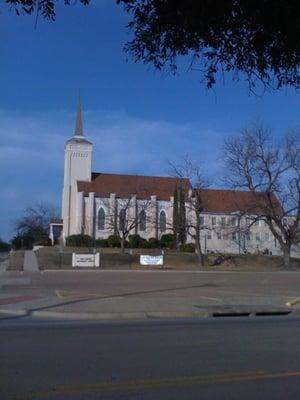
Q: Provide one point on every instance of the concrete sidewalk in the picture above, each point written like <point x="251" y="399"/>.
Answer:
<point x="4" y="261"/>
<point x="146" y="294"/>
<point x="30" y="262"/>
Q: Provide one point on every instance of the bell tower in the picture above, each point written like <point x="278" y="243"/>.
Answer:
<point x="77" y="167"/>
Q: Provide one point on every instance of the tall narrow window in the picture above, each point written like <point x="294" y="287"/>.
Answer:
<point x="122" y="219"/>
<point x="101" y="219"/>
<point x="162" y="221"/>
<point x="143" y="220"/>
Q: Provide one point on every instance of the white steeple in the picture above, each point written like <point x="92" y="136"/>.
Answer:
<point x="77" y="167"/>
<point x="79" y="126"/>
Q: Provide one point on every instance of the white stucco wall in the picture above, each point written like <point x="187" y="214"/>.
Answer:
<point x="77" y="166"/>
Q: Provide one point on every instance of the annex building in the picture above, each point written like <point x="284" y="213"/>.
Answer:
<point x="102" y="204"/>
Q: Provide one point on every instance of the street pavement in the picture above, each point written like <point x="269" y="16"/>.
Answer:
<point x="115" y="294"/>
<point x="231" y="359"/>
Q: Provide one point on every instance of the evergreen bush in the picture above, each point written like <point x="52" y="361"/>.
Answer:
<point x="187" y="248"/>
<point x="144" y="244"/>
<point x="154" y="243"/>
<point x="167" y="240"/>
<point x="43" y="242"/>
<point x="114" y="241"/>
<point x="135" y="241"/>
<point x="101" y="243"/>
<point x="79" y="241"/>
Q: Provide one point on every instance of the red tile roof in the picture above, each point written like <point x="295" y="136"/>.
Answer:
<point x="125" y="185"/>
<point x="214" y="200"/>
<point x="229" y="201"/>
<point x="57" y="221"/>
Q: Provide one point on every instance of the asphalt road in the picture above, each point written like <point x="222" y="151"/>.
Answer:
<point x="230" y="358"/>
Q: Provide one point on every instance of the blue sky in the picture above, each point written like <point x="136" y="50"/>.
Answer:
<point x="136" y="118"/>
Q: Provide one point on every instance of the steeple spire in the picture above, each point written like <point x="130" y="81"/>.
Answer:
<point x="78" y="126"/>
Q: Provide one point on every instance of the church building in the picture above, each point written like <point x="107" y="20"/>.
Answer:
<point x="102" y="204"/>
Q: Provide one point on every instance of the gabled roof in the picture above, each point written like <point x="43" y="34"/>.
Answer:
<point x="231" y="201"/>
<point x="56" y="221"/>
<point x="126" y="185"/>
<point x="217" y="201"/>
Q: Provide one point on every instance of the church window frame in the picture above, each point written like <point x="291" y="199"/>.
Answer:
<point x="162" y="221"/>
<point x="101" y="219"/>
<point x="143" y="221"/>
<point x="122" y="219"/>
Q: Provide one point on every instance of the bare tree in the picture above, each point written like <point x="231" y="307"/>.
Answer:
<point x="35" y="222"/>
<point x="271" y="172"/>
<point x="36" y="219"/>
<point x="127" y="215"/>
<point x="188" y="169"/>
<point x="237" y="231"/>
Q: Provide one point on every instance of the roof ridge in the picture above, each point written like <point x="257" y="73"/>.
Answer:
<point x="225" y="190"/>
<point x="142" y="176"/>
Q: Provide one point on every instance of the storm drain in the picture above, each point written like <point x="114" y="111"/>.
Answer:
<point x="270" y="313"/>
<point x="248" y="313"/>
<point x="231" y="314"/>
<point x="243" y="311"/>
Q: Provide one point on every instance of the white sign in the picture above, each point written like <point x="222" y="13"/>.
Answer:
<point x="151" y="260"/>
<point x="85" y="260"/>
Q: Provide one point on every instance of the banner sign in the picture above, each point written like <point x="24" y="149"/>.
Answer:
<point x="85" y="260"/>
<point x="151" y="260"/>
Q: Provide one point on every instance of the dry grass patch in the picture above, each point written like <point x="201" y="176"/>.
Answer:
<point x="16" y="260"/>
<point x="50" y="258"/>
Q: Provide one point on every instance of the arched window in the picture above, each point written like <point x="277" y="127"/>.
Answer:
<point x="162" y="221"/>
<point x="122" y="219"/>
<point x="101" y="219"/>
<point x="143" y="220"/>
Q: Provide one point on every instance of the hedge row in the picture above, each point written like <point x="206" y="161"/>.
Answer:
<point x="134" y="241"/>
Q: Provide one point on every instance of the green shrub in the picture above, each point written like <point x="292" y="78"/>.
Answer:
<point x="43" y="242"/>
<point x="187" y="248"/>
<point x="113" y="241"/>
<point x="79" y="241"/>
<point x="101" y="243"/>
<point x="167" y="240"/>
<point x="135" y="241"/>
<point x="154" y="243"/>
<point x="144" y="244"/>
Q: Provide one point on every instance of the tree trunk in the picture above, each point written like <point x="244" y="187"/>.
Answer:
<point x="122" y="244"/>
<point x="286" y="248"/>
<point x="199" y="251"/>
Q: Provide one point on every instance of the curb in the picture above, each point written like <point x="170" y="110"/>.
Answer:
<point x="14" y="312"/>
<point x="121" y="316"/>
<point x="163" y="270"/>
<point x="143" y="315"/>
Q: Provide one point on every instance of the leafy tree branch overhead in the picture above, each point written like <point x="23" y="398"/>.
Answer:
<point x="257" y="39"/>
<point x="45" y="8"/>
